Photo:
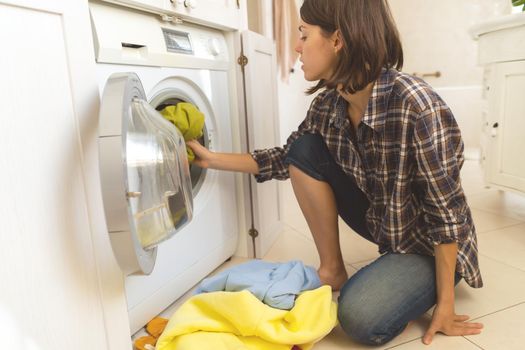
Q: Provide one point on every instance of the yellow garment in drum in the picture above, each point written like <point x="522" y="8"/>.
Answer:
<point x="188" y="119"/>
<point x="240" y="321"/>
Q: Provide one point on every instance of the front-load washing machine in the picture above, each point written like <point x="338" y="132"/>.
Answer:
<point x="187" y="224"/>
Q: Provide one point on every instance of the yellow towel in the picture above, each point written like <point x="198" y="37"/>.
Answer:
<point x="188" y="119"/>
<point x="240" y="321"/>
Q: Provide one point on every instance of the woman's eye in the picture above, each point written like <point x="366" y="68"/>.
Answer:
<point x="303" y="38"/>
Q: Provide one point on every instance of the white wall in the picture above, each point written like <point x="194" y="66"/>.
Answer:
<point x="293" y="102"/>
<point x="435" y="37"/>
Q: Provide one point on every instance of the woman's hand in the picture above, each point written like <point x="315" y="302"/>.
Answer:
<point x="203" y="156"/>
<point x="445" y="320"/>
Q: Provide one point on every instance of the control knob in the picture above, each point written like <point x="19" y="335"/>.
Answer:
<point x="214" y="46"/>
<point x="190" y="3"/>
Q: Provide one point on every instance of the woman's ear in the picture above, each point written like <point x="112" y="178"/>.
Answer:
<point x="337" y="39"/>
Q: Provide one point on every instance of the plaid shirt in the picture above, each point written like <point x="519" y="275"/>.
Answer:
<point x="406" y="157"/>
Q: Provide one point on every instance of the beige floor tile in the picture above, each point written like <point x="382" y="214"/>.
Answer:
<point x="291" y="245"/>
<point x="505" y="245"/>
<point x="337" y="339"/>
<point x="472" y="178"/>
<point x="503" y="287"/>
<point x="230" y="263"/>
<point x="440" y="342"/>
<point x="501" y="203"/>
<point x="502" y="330"/>
<point x="487" y="221"/>
<point x="362" y="264"/>
<point x="170" y="310"/>
<point x="294" y="218"/>
<point x="498" y="218"/>
<point x="355" y="248"/>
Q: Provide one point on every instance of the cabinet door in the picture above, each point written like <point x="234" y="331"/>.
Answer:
<point x="506" y="126"/>
<point x="224" y="14"/>
<point x="50" y="296"/>
<point x="260" y="92"/>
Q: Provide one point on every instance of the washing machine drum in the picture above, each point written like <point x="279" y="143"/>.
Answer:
<point x="145" y="176"/>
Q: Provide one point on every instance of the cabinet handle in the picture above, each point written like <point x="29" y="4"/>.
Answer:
<point x="494" y="130"/>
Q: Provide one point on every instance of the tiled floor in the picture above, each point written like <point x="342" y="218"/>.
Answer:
<point x="500" y="304"/>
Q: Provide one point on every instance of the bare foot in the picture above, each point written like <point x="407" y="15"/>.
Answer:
<point x="334" y="279"/>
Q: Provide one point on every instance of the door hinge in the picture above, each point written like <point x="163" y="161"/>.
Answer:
<point x="253" y="233"/>
<point x="242" y="60"/>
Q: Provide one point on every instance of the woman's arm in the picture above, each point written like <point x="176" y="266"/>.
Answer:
<point x="438" y="153"/>
<point x="205" y="158"/>
<point x="444" y="318"/>
<point x="445" y="270"/>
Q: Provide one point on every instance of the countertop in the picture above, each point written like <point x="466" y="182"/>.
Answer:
<point x="498" y="23"/>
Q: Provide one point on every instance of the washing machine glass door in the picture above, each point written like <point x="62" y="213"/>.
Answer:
<point x="145" y="175"/>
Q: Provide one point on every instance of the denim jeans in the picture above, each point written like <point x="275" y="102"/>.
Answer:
<point x="378" y="301"/>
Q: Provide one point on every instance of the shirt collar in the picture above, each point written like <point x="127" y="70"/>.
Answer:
<point x="376" y="112"/>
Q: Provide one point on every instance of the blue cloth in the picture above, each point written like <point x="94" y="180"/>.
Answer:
<point x="275" y="284"/>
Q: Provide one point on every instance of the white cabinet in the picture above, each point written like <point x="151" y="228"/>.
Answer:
<point x="505" y="126"/>
<point x="221" y="14"/>
<point x="502" y="53"/>
<point x="52" y="228"/>
<point x="224" y="14"/>
<point x="258" y="98"/>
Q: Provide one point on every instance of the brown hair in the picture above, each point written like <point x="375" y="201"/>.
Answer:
<point x="370" y="40"/>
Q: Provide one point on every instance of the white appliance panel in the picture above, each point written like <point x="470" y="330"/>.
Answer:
<point x="211" y="237"/>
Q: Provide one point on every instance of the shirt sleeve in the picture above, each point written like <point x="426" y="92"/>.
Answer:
<point x="439" y="157"/>
<point x="271" y="161"/>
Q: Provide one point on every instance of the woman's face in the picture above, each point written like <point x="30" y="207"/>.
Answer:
<point x="318" y="53"/>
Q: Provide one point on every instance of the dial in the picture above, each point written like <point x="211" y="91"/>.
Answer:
<point x="214" y="46"/>
<point x="190" y="3"/>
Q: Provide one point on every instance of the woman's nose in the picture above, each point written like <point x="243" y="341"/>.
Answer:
<point x="298" y="47"/>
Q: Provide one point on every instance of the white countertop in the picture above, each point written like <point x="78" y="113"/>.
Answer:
<point x="498" y="23"/>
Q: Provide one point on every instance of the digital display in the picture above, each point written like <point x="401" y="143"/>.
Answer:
<point x="177" y="41"/>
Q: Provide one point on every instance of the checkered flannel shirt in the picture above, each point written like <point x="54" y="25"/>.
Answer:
<point x="406" y="157"/>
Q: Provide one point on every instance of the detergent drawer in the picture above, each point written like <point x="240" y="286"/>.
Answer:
<point x="145" y="176"/>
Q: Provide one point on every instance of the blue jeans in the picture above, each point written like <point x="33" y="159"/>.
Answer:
<point x="377" y="302"/>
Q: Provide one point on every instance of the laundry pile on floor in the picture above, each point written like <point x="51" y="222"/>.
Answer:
<point x="155" y="327"/>
<point x="253" y="306"/>
<point x="188" y="119"/>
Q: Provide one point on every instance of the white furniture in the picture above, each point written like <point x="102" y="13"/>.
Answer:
<point x="257" y="77"/>
<point x="53" y="293"/>
<point x="502" y="53"/>
<point x="173" y="64"/>
<point x="221" y="14"/>
<point x="62" y="287"/>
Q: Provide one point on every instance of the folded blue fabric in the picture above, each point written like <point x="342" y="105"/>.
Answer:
<point x="275" y="284"/>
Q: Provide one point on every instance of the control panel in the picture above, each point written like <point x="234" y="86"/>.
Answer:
<point x="220" y="14"/>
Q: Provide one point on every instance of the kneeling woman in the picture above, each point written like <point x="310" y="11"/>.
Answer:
<point x="382" y="150"/>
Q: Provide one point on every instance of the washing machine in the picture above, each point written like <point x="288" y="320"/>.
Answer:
<point x="170" y="223"/>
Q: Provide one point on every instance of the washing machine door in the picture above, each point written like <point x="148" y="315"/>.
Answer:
<point x="145" y="176"/>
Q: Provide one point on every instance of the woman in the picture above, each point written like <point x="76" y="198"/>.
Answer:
<point x="382" y="150"/>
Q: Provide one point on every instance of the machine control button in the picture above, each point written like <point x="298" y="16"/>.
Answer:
<point x="166" y="18"/>
<point x="214" y="46"/>
<point x="190" y="3"/>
